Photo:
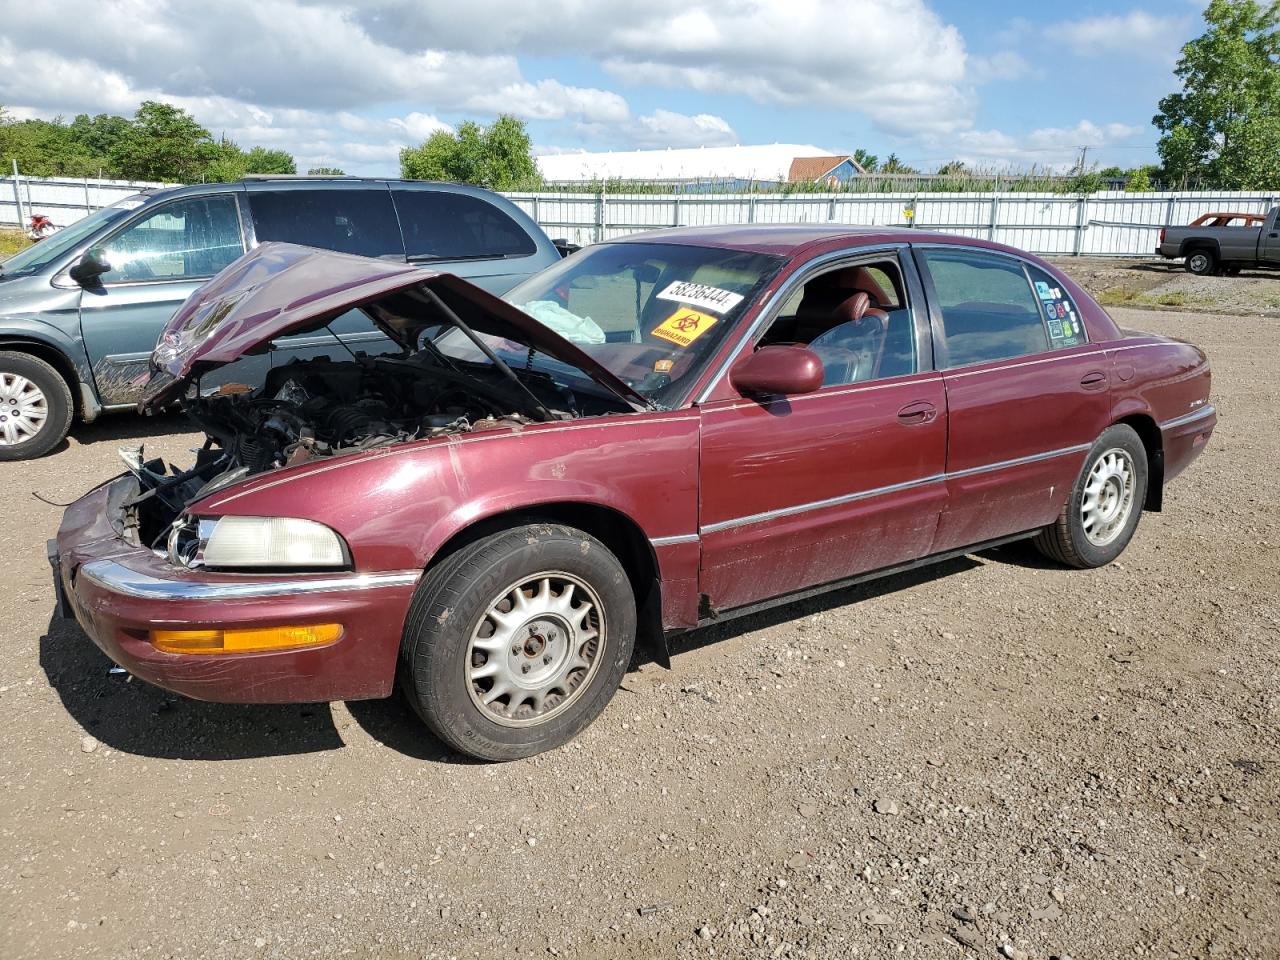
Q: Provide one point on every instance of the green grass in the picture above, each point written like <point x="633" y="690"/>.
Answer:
<point x="11" y="241"/>
<point x="1117" y="296"/>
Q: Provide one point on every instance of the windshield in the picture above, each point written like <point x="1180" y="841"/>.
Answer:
<point x="652" y="314"/>
<point x="35" y="258"/>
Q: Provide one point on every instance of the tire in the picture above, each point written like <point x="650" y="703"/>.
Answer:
<point x="35" y="407"/>
<point x="544" y="612"/>
<point x="1202" y="261"/>
<point x="1087" y="532"/>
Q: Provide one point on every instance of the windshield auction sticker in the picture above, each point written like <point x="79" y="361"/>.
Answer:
<point x="684" y="326"/>
<point x="702" y="296"/>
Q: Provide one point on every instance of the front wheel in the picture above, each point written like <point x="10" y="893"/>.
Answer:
<point x="516" y="643"/>
<point x="35" y="407"/>
<point x="1102" y="512"/>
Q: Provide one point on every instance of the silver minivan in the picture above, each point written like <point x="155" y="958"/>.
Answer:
<point x="80" y="311"/>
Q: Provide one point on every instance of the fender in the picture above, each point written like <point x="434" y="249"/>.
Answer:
<point x="1197" y="243"/>
<point x="65" y="351"/>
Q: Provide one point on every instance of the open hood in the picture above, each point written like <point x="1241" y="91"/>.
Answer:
<point x="282" y="288"/>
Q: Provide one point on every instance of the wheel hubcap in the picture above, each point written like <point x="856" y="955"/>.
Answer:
<point x="535" y="648"/>
<point x="1198" y="263"/>
<point x="1108" y="497"/>
<point x="23" y="409"/>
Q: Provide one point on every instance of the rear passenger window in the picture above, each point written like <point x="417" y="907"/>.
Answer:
<point x="1062" y="320"/>
<point x="360" y="221"/>
<point x="439" y="225"/>
<point x="988" y="308"/>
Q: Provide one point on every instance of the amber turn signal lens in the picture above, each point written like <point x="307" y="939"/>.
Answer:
<point x="245" y="641"/>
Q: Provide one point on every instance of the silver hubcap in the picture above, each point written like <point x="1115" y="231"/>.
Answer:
<point x="1108" y="497"/>
<point x="535" y="649"/>
<point x="1199" y="262"/>
<point x="23" y="409"/>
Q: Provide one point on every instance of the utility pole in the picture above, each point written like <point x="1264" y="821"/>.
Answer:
<point x="1084" y="153"/>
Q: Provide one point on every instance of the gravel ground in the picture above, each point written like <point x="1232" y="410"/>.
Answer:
<point x="1160" y="284"/>
<point x="994" y="757"/>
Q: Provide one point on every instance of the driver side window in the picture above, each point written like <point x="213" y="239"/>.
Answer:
<point x="186" y="239"/>
<point x="855" y="318"/>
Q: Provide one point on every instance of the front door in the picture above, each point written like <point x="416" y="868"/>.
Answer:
<point x="1027" y="394"/>
<point x="1269" y="240"/>
<point x="804" y="490"/>
<point x="157" y="261"/>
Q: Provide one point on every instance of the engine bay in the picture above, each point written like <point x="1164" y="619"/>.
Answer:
<point x="320" y="408"/>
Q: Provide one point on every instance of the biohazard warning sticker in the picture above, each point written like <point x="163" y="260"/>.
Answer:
<point x="684" y="326"/>
<point x="701" y="296"/>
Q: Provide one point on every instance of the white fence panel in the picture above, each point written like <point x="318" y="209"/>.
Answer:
<point x="64" y="201"/>
<point x="1105" y="224"/>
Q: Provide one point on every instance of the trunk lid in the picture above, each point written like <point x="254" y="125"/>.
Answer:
<point x="283" y="288"/>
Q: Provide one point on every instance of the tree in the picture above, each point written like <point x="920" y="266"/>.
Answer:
<point x="262" y="160"/>
<point x="325" y="172"/>
<point x="499" y="156"/>
<point x="953" y="168"/>
<point x="1224" y="125"/>
<point x="164" y="142"/>
<point x="1139" y="181"/>
<point x="893" y="165"/>
<point x="867" y="161"/>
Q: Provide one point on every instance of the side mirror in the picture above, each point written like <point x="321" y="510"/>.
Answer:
<point x="90" y="267"/>
<point x="565" y="247"/>
<point x="777" y="370"/>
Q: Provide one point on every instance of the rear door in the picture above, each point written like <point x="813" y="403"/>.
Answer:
<point x="800" y="491"/>
<point x="1027" y="394"/>
<point x="348" y="217"/>
<point x="479" y="236"/>
<point x="157" y="259"/>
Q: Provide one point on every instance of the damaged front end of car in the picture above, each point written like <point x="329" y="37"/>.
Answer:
<point x="320" y="408"/>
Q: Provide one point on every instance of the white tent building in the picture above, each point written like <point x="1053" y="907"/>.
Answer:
<point x="767" y="162"/>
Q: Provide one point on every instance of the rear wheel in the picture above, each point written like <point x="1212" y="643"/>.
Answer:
<point x="35" y="407"/>
<point x="1202" y="262"/>
<point x="516" y="643"/>
<point x="1102" y="512"/>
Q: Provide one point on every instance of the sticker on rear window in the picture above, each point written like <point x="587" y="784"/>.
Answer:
<point x="684" y="326"/>
<point x="701" y="295"/>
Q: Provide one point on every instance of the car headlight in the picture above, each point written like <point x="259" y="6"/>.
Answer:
<point x="251" y="542"/>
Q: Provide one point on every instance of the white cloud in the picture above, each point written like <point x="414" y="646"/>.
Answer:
<point x="663" y="128"/>
<point x="846" y="54"/>
<point x="1133" y="34"/>
<point x="1051" y="148"/>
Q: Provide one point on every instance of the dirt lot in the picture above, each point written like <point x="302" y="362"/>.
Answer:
<point x="995" y="757"/>
<point x="1160" y="284"/>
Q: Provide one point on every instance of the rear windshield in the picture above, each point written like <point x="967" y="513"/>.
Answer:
<point x="440" y="225"/>
<point x="350" y="220"/>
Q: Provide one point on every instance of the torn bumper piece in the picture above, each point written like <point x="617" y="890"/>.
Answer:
<point x="120" y="594"/>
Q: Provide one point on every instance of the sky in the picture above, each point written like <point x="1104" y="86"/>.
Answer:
<point x="995" y="83"/>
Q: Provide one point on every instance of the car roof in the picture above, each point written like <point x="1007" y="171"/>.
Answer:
<point x="295" y="181"/>
<point x="792" y="239"/>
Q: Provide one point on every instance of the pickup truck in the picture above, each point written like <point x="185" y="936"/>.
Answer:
<point x="1212" y="249"/>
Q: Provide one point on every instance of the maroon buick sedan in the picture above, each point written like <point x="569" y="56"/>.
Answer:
<point x="487" y="502"/>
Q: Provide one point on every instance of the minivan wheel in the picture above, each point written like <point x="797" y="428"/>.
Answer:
<point x="1201" y="262"/>
<point x="35" y="407"/>
<point x="516" y="643"/>
<point x="1102" y="512"/>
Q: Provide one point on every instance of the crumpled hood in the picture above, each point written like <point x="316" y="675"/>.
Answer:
<point x="283" y="288"/>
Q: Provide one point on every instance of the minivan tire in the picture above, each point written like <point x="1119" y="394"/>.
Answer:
<point x="29" y="386"/>
<point x="541" y="616"/>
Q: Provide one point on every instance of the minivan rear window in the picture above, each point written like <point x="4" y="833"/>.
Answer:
<point x="360" y="221"/>
<point x="441" y="225"/>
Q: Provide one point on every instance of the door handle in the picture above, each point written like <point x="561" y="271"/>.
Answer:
<point x="922" y="411"/>
<point x="1095" y="380"/>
